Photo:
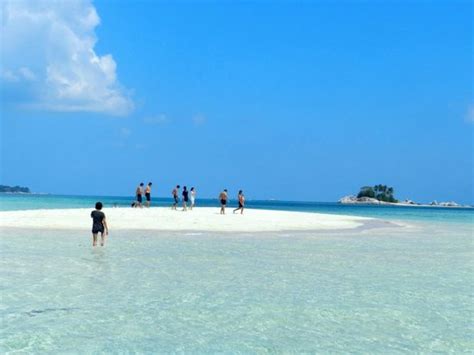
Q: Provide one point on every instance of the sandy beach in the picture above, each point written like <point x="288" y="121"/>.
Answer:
<point x="165" y="219"/>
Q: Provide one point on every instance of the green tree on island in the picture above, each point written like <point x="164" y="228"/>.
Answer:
<point x="379" y="192"/>
<point x="367" y="191"/>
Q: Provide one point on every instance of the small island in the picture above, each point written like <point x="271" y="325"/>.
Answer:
<point x="14" y="189"/>
<point x="384" y="195"/>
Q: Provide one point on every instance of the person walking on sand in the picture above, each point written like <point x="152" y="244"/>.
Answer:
<point x="148" y="194"/>
<point x="175" y="197"/>
<point x="99" y="224"/>
<point x="193" y="197"/>
<point x="223" y="199"/>
<point x="185" y="198"/>
<point x="241" y="199"/>
<point x="139" y="194"/>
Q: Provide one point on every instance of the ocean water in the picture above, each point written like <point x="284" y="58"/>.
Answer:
<point x="435" y="214"/>
<point x="390" y="290"/>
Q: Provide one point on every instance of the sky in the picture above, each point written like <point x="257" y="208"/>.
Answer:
<point x="305" y="100"/>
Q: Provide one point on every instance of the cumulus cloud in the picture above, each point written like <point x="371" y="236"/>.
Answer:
<point x="22" y="73"/>
<point x="49" y="61"/>
<point x="27" y="74"/>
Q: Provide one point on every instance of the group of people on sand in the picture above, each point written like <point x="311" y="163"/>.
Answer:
<point x="99" y="222"/>
<point x="139" y="192"/>
<point x="188" y="196"/>
<point x="223" y="197"/>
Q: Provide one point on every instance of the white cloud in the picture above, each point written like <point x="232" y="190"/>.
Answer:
<point x="158" y="119"/>
<point x="27" y="74"/>
<point x="10" y="76"/>
<point x="48" y="49"/>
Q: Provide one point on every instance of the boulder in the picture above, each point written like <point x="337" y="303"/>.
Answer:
<point x="359" y="200"/>
<point x="449" y="204"/>
<point x="348" y="199"/>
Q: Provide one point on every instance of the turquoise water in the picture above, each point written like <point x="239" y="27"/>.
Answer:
<point x="456" y="215"/>
<point x="385" y="290"/>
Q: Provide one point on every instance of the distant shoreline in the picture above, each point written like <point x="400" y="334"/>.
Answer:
<point x="17" y="193"/>
<point x="27" y="193"/>
<point x="15" y="189"/>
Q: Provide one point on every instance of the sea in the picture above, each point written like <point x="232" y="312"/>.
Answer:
<point x="407" y="289"/>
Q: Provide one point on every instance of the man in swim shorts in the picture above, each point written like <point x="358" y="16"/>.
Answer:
<point x="185" y="198"/>
<point x="99" y="224"/>
<point x="148" y="194"/>
<point x="139" y="194"/>
<point x="175" y="197"/>
<point x="241" y="199"/>
<point x="223" y="200"/>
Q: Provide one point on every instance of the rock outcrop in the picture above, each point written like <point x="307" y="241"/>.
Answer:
<point x="351" y="199"/>
<point x="445" y="204"/>
<point x="360" y="200"/>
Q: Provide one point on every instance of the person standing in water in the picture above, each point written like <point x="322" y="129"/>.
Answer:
<point x="223" y="200"/>
<point x="139" y="194"/>
<point x="175" y="197"/>
<point x="185" y="198"/>
<point x="193" y="197"/>
<point x="148" y="194"/>
<point x="99" y="224"/>
<point x="241" y="199"/>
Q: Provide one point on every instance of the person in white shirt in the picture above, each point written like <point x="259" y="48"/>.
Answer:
<point x="192" y="197"/>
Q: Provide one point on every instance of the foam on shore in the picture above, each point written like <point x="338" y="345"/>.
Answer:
<point x="165" y="219"/>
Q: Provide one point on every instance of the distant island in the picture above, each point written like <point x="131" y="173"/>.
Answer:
<point x="384" y="195"/>
<point x="14" y="189"/>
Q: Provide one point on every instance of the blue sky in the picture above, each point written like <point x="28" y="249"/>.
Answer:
<point x="286" y="100"/>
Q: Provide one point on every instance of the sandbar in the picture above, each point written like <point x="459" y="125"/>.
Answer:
<point x="165" y="219"/>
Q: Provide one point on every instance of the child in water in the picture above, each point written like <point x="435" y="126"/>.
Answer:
<point x="99" y="224"/>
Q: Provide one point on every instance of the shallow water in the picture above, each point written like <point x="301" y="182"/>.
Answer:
<point x="379" y="290"/>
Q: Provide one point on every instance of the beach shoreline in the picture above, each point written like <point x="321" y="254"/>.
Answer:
<point x="197" y="220"/>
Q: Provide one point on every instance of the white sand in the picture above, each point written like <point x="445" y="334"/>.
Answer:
<point x="164" y="219"/>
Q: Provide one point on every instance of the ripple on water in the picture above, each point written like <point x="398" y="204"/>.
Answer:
<point x="381" y="290"/>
